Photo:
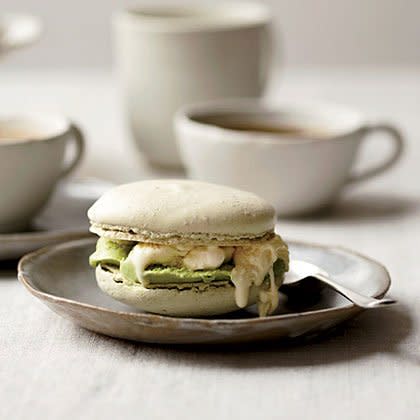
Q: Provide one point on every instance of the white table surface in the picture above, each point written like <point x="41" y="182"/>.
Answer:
<point x="50" y="368"/>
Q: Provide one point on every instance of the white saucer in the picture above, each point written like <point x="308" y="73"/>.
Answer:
<point x="63" y="219"/>
<point x="61" y="277"/>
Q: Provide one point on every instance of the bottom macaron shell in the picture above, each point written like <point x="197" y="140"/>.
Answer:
<point x="174" y="302"/>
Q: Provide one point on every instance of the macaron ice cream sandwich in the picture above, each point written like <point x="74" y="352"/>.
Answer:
<point x="187" y="249"/>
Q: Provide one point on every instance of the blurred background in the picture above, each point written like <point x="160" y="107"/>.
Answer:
<point x="310" y="33"/>
<point x="362" y="53"/>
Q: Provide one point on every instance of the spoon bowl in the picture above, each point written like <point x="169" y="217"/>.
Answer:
<point x="300" y="270"/>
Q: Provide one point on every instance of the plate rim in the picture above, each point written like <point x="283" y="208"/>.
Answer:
<point x="150" y="318"/>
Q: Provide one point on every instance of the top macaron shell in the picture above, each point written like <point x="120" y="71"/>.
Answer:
<point x="162" y="209"/>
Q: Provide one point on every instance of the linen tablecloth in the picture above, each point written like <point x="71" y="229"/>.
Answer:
<point x="50" y="368"/>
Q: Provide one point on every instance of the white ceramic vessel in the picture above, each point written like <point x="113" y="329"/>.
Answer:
<point x="32" y="151"/>
<point x="17" y="30"/>
<point x="297" y="175"/>
<point x="168" y="56"/>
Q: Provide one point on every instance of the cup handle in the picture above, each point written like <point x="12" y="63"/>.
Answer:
<point x="79" y="140"/>
<point x="396" y="137"/>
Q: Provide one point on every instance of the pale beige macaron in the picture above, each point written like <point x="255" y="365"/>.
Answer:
<point x="179" y="212"/>
<point x="174" y="211"/>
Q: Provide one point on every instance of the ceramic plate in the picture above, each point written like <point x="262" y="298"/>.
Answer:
<point x="61" y="277"/>
<point x="63" y="219"/>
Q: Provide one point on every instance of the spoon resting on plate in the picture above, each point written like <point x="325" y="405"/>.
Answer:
<point x="300" y="270"/>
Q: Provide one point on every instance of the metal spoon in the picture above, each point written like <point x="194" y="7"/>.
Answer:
<point x="300" y="270"/>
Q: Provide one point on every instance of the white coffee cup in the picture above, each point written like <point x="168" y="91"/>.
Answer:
<point x="168" y="56"/>
<point x="32" y="149"/>
<point x="297" y="172"/>
<point x="17" y="31"/>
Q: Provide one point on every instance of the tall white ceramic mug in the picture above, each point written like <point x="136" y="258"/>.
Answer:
<point x="32" y="150"/>
<point x="298" y="175"/>
<point x="169" y="56"/>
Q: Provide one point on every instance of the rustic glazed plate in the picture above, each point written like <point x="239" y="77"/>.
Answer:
<point x="60" y="276"/>
<point x="63" y="219"/>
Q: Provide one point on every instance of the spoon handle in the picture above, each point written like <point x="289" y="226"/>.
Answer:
<point x="358" y="299"/>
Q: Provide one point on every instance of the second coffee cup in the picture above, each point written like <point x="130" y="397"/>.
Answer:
<point x="298" y="156"/>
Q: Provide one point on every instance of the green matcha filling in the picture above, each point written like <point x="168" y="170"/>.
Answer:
<point x="110" y="252"/>
<point x="158" y="276"/>
<point x="115" y="253"/>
